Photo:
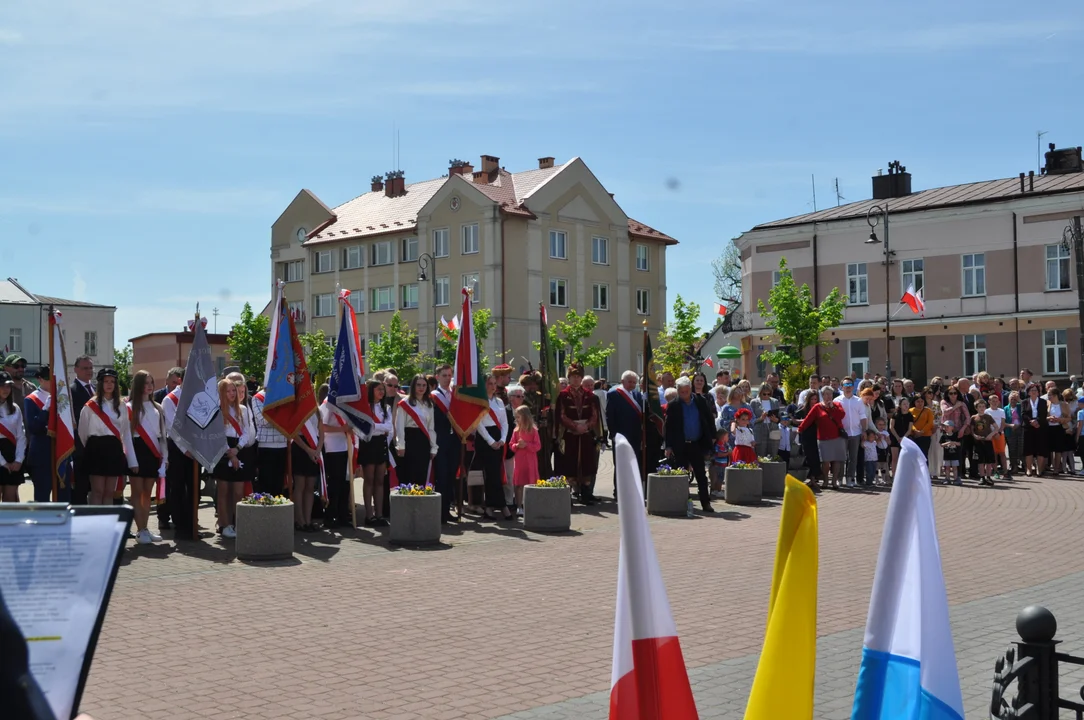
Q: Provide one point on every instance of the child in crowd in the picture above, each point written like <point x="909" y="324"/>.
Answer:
<point x="999" y="417"/>
<point x="744" y="444"/>
<point x="883" y="441"/>
<point x="786" y="439"/>
<point x="950" y="441"/>
<point x="869" y="452"/>
<point x="983" y="430"/>
<point x="719" y="463"/>
<point x="901" y="428"/>
<point x="525" y="438"/>
<point x="1068" y="460"/>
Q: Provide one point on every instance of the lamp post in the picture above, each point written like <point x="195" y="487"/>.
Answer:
<point x="1073" y="237"/>
<point x="875" y="216"/>
<point x="427" y="266"/>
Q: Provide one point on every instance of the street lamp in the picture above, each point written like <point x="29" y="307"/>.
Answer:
<point x="427" y="270"/>
<point x="1074" y="235"/>
<point x="876" y="215"/>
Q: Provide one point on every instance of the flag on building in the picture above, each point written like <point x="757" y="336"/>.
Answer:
<point x="908" y="665"/>
<point x="709" y="362"/>
<point x="443" y="329"/>
<point x="347" y="394"/>
<point x="913" y="300"/>
<point x="783" y="686"/>
<point x="61" y="421"/>
<point x="651" y="385"/>
<point x="454" y="324"/>
<point x="720" y="309"/>
<point x="197" y="427"/>
<point x="469" y="400"/>
<point x="289" y="399"/>
<point x="649" y="680"/>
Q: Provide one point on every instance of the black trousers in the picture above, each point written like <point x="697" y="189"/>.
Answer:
<point x="967" y="454"/>
<point x="446" y="468"/>
<point x="492" y="462"/>
<point x="180" y="487"/>
<point x="271" y="470"/>
<point x="338" y="487"/>
<point x="81" y="481"/>
<point x="694" y="456"/>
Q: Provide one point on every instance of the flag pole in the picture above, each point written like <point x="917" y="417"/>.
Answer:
<point x="52" y="440"/>
<point x="643" y="416"/>
<point x="195" y="465"/>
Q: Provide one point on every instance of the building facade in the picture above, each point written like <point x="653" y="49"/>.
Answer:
<point x="24" y="324"/>
<point x="999" y="284"/>
<point x="552" y="235"/>
<point x="158" y="352"/>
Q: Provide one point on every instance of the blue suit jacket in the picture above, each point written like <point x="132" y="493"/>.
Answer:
<point x="37" y="428"/>
<point x="622" y="418"/>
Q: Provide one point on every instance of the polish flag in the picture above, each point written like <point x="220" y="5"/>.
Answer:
<point x="720" y="309"/>
<point x="454" y="324"/>
<point x="649" y="681"/>
<point x="914" y="300"/>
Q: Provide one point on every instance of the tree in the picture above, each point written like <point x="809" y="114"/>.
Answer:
<point x="319" y="354"/>
<point x="122" y="363"/>
<point x="396" y="349"/>
<point x="570" y="335"/>
<point x="678" y="339"/>
<point x="727" y="271"/>
<point x="248" y="342"/>
<point x="798" y="322"/>
<point x="483" y="325"/>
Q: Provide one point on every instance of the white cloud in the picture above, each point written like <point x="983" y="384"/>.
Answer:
<point x="79" y="285"/>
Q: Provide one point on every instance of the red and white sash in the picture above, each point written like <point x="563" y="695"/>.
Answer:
<point x="6" y="432"/>
<point x="38" y="397"/>
<point x="233" y="423"/>
<point x="439" y="401"/>
<point x="631" y="401"/>
<point x="338" y="420"/>
<point x="149" y="437"/>
<point x="106" y="420"/>
<point x="310" y="431"/>
<point x="172" y="397"/>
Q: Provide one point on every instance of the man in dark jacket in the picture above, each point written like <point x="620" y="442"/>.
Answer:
<point x="625" y="416"/>
<point x="690" y="435"/>
<point x="81" y="390"/>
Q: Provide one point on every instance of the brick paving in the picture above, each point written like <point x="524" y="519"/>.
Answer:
<point x="498" y="622"/>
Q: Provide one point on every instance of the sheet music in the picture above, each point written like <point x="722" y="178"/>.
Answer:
<point x="54" y="579"/>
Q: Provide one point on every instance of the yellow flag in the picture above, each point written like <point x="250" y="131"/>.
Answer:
<point x="783" y="687"/>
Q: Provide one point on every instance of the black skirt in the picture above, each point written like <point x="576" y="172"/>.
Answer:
<point x="1035" y="441"/>
<point x="373" y="451"/>
<point x="7" y="450"/>
<point x="414" y="466"/>
<point x="104" y="456"/>
<point x="301" y="464"/>
<point x="224" y="471"/>
<point x="148" y="463"/>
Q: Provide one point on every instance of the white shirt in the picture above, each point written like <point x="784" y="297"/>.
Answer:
<point x="268" y="436"/>
<point x="169" y="408"/>
<point x="383" y="425"/>
<point x="502" y="422"/>
<point x="13" y="421"/>
<point x="744" y="436"/>
<point x="334" y="442"/>
<point x="248" y="430"/>
<point x="404" y="421"/>
<point x="854" y="413"/>
<point x="997" y="415"/>
<point x="152" y="426"/>
<point x="784" y="437"/>
<point x="90" y="425"/>
<point x="870" y="449"/>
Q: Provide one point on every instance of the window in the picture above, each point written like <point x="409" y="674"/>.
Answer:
<point x="1057" y="267"/>
<point x="296" y="309"/>
<point x="643" y="301"/>
<point x="220" y="362"/>
<point x="600" y="296"/>
<point x="90" y="343"/>
<point x="777" y="277"/>
<point x="974" y="354"/>
<point x="1055" y="352"/>
<point x="381" y="253"/>
<point x="643" y="261"/>
<point x="913" y="273"/>
<point x="381" y="299"/>
<point x="470" y="238"/>
<point x="357" y="300"/>
<point x="321" y="261"/>
<point x="15" y="340"/>
<point x="558" y="292"/>
<point x="441" y="290"/>
<point x="470" y="281"/>
<point x="857" y="284"/>
<point x="293" y="271"/>
<point x="559" y="244"/>
<point x="600" y="250"/>
<point x="440" y="243"/>
<point x="410" y="296"/>
<point x="323" y="305"/>
<point x="353" y="257"/>
<point x="562" y="361"/>
<point x="859" y="359"/>
<point x="374" y="339"/>
<point x="602" y="371"/>
<point x="410" y="250"/>
<point x="974" y="275"/>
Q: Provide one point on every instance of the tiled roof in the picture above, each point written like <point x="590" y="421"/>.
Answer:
<point x="988" y="191"/>
<point x="639" y="229"/>
<point x="47" y="300"/>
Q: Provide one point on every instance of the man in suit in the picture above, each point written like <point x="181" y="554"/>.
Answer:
<point x="446" y="463"/>
<point x="625" y="416"/>
<point x="689" y="433"/>
<point x="173" y="381"/>
<point x="81" y="390"/>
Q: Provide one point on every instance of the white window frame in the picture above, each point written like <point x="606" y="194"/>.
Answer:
<point x="408" y="249"/>
<point x="440" y="243"/>
<point x="468" y="239"/>
<point x="353" y="257"/>
<point x="15" y="340"/>
<point x="293" y="271"/>
<point x="976" y="271"/>
<point x="357" y="301"/>
<point x="600" y="250"/>
<point x="643" y="257"/>
<point x="857" y="284"/>
<point x="562" y="361"/>
<point x="558" y="244"/>
<point x="90" y="343"/>
<point x="473" y="280"/>
<point x="857" y="359"/>
<point x="375" y="253"/>
<point x="911" y="275"/>
<point x="323" y="261"/>
<point x="443" y="291"/>
<point x="382" y="299"/>
<point x="600" y="296"/>
<point x="977" y="353"/>
<point x="1060" y="348"/>
<point x="602" y="372"/>
<point x="409" y="296"/>
<point x="558" y="292"/>
<point x="643" y="301"/>
<point x="323" y="305"/>
<point x="777" y="277"/>
<point x="1061" y="255"/>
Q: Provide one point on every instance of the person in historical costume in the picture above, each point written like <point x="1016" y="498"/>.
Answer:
<point x="503" y="375"/>
<point x="578" y="430"/>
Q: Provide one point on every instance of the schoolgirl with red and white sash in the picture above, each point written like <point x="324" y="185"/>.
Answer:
<point x="373" y="453"/>
<point x="338" y="437"/>
<point x="415" y="435"/>
<point x="489" y="447"/>
<point x="239" y="435"/>
<point x="103" y="430"/>
<point x="146" y="452"/>
<point x="12" y="441"/>
<point x="308" y="468"/>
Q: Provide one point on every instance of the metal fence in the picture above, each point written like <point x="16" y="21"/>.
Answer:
<point x="1031" y="670"/>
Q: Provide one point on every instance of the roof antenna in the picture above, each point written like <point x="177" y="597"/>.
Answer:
<point x="839" y="195"/>
<point x="813" y="179"/>
<point x="1038" y="150"/>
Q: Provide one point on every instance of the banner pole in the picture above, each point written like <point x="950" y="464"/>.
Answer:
<point x="195" y="499"/>
<point x="52" y="440"/>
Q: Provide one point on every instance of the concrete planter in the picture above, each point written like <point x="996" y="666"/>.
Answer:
<point x="774" y="478"/>
<point x="415" y="519"/>
<point x="801" y="473"/>
<point x="547" y="509"/>
<point x="667" y="494"/>
<point x="265" y="532"/>
<point x="743" y="487"/>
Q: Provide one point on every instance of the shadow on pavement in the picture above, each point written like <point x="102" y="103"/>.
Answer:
<point x="215" y="550"/>
<point x="156" y="551"/>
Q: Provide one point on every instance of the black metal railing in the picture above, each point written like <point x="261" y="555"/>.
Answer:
<point x="1033" y="667"/>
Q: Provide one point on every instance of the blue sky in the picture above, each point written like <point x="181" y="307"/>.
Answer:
<point x="146" y="148"/>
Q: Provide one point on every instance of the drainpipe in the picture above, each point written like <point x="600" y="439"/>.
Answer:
<point x="816" y="297"/>
<point x="504" y="306"/>
<point x="1016" y="287"/>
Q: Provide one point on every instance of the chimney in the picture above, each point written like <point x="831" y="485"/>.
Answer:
<point x="395" y="185"/>
<point x="459" y="167"/>
<point x="545" y="163"/>
<point x="1022" y="183"/>
<point x="481" y="177"/>
<point x="378" y="183"/>
<point x="1064" y="161"/>
<point x="490" y="164"/>
<point x="896" y="184"/>
<point x="1031" y="181"/>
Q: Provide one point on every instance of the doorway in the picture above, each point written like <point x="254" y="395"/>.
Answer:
<point x="914" y="360"/>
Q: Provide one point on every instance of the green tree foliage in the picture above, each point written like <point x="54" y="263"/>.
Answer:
<point x="678" y="339"/>
<point x="397" y="349"/>
<point x="798" y="322"/>
<point x="483" y="325"/>
<point x="122" y="363"/>
<point x="248" y="342"/>
<point x="319" y="354"/>
<point x="571" y="334"/>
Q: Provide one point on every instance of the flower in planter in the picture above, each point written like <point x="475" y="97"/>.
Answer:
<point x="415" y="490"/>
<point x="769" y="459"/>
<point x="264" y="499"/>
<point x="665" y="469"/>
<point x="557" y="481"/>
<point x="745" y="466"/>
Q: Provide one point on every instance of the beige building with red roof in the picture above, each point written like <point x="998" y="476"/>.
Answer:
<point x="552" y="235"/>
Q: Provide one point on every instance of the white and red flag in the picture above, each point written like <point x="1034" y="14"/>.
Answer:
<point x="720" y="309"/>
<point x="649" y="680"/>
<point x="61" y="422"/>
<point x="914" y="300"/>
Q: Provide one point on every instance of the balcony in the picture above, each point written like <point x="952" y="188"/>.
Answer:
<point x="737" y="322"/>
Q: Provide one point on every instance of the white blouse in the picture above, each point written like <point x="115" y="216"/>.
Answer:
<point x="497" y="407"/>
<point x="383" y="425"/>
<point x="334" y="441"/>
<point x="248" y="430"/>
<point x="404" y="421"/>
<point x="151" y="423"/>
<point x="169" y="408"/>
<point x="13" y="421"/>
<point x="90" y="425"/>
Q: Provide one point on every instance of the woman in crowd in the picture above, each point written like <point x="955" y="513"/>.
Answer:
<point x="305" y="465"/>
<point x="808" y="438"/>
<point x="12" y="441"/>
<point x="415" y="435"/>
<point x="922" y="424"/>
<point x="1057" y="414"/>
<point x="1014" y="433"/>
<point x="230" y="474"/>
<point x="827" y="418"/>
<point x="765" y="409"/>
<point x="702" y="388"/>
<point x="954" y="410"/>
<point x="248" y="454"/>
<point x="374" y="455"/>
<point x="1068" y="448"/>
<point x="392" y="397"/>
<point x="103" y="430"/>
<point x="898" y="391"/>
<point x="601" y="388"/>
<point x="146" y="451"/>
<point x="719" y="395"/>
<point x="936" y="455"/>
<point x="1033" y="419"/>
<point x="899" y="428"/>
<point x="338" y="437"/>
<point x="489" y="448"/>
<point x="735" y="402"/>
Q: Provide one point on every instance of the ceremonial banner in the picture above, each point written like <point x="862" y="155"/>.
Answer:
<point x="469" y="400"/>
<point x="61" y="422"/>
<point x="289" y="399"/>
<point x="347" y="395"/>
<point x="651" y="386"/>
<point x="547" y="360"/>
<point x="197" y="427"/>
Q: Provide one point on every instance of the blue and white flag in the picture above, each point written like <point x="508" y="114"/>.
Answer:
<point x="347" y="392"/>
<point x="908" y="666"/>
